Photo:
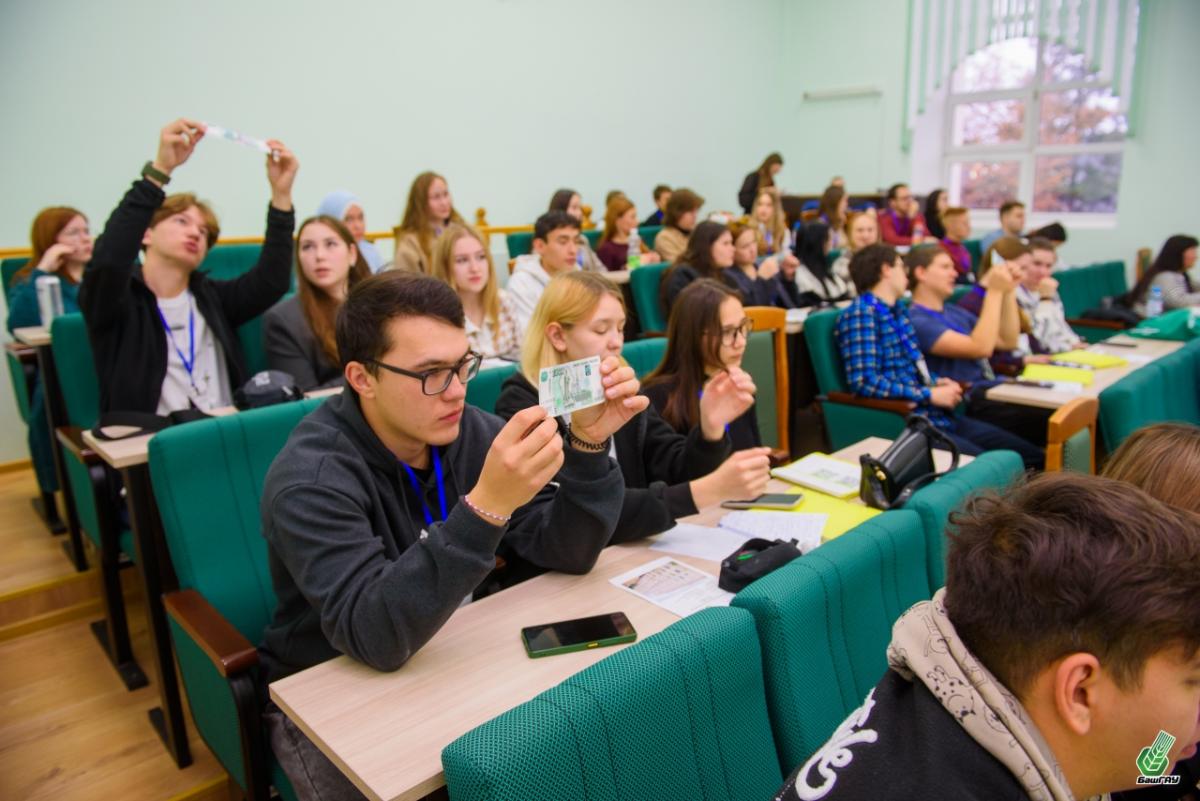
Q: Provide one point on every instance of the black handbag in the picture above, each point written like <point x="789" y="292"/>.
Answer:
<point x="267" y="388"/>
<point x="906" y="466"/>
<point x="755" y="559"/>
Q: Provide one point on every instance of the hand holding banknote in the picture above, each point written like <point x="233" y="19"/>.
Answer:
<point x="725" y="398"/>
<point x="523" y="458"/>
<point x="621" y="402"/>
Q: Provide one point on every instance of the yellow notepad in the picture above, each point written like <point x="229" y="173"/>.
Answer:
<point x="843" y="515"/>
<point x="1090" y="358"/>
<point x="1051" y="372"/>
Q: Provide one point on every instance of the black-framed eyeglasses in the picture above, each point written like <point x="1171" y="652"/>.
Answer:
<point x="730" y="333"/>
<point x="437" y="380"/>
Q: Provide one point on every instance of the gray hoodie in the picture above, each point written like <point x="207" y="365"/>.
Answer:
<point x="351" y="570"/>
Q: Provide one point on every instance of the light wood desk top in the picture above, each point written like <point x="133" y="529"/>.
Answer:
<point x="35" y="335"/>
<point x="1102" y="379"/>
<point x="133" y="451"/>
<point x="386" y="731"/>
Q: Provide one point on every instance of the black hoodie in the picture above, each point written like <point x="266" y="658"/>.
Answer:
<point x="351" y="568"/>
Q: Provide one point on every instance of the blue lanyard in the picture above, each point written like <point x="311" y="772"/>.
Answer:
<point x="441" y="487"/>
<point x="941" y="316"/>
<point x="189" y="364"/>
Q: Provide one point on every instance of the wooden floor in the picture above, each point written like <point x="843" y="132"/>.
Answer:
<point x="68" y="727"/>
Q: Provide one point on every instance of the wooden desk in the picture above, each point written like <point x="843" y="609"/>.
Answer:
<point x="38" y="337"/>
<point x="1101" y="380"/>
<point x="386" y="731"/>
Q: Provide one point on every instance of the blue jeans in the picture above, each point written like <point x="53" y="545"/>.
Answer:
<point x="973" y="437"/>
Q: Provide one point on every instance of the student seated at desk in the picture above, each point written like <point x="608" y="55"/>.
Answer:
<point x="620" y="222"/>
<point x="163" y="334"/>
<point x="347" y="209"/>
<point x="62" y="246"/>
<point x="667" y="475"/>
<point x="569" y="201"/>
<point x="1063" y="646"/>
<point x="957" y="344"/>
<point x="957" y="221"/>
<point x="901" y="223"/>
<point x="555" y="247"/>
<point x="384" y="510"/>
<point x="462" y="260"/>
<point x="816" y="281"/>
<point x="759" y="280"/>
<point x="679" y="220"/>
<point x="298" y="333"/>
<point x="1037" y="295"/>
<point x="709" y="252"/>
<point x="707" y="335"/>
<point x="1029" y="350"/>
<point x="662" y="194"/>
<point x="426" y="214"/>
<point x="883" y="359"/>
<point x="1169" y="273"/>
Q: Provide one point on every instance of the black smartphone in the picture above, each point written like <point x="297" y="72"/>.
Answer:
<point x="580" y="634"/>
<point x="772" y="500"/>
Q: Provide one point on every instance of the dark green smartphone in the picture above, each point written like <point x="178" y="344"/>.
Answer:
<point x="581" y="634"/>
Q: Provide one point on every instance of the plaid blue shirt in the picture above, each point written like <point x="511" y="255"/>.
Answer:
<point x="877" y="345"/>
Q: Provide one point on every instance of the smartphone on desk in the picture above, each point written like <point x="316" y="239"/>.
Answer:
<point x="581" y="634"/>
<point x="771" y="500"/>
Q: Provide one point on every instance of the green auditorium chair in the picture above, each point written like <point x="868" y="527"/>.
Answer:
<point x="23" y="372"/>
<point x="1165" y="390"/>
<point x="766" y="360"/>
<point x="825" y="621"/>
<point x="1071" y="437"/>
<point x="848" y="418"/>
<point x="1085" y="288"/>
<point x="94" y="486"/>
<point x="933" y="503"/>
<point x="224" y="262"/>
<point x="973" y="248"/>
<point x="8" y="268"/>
<point x="519" y="243"/>
<point x="649" y="234"/>
<point x="644" y="355"/>
<point x="644" y="283"/>
<point x="208" y="477"/>
<point x="679" y="715"/>
<point x="484" y="389"/>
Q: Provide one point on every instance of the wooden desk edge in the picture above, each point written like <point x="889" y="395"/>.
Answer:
<point x="34" y="336"/>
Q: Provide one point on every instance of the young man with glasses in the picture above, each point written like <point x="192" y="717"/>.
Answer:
<point x="901" y="224"/>
<point x="384" y="510"/>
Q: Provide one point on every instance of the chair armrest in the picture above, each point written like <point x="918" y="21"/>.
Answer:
<point x="71" y="438"/>
<point x="24" y="353"/>
<point x="229" y="651"/>
<point x="900" y="407"/>
<point x="1114" y="325"/>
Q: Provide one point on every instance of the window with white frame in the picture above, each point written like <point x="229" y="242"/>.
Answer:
<point x="1026" y="118"/>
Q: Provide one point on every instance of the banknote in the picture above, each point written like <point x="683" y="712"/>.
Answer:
<point x="566" y="388"/>
<point x="237" y="138"/>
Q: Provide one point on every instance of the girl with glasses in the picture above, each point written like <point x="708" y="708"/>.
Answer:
<point x="706" y="340"/>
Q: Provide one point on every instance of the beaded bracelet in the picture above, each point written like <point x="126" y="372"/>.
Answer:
<point x="501" y="519"/>
<point x="582" y="444"/>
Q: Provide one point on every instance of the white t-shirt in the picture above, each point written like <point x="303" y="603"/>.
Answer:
<point x="207" y="386"/>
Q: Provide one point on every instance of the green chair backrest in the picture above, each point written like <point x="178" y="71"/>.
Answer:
<point x="224" y="262"/>
<point x="8" y="268"/>
<point x="593" y="236"/>
<point x="822" y="347"/>
<point x="16" y="372"/>
<point x="680" y="715"/>
<point x="825" y="621"/>
<point x="519" y="243"/>
<point x="972" y="246"/>
<point x="958" y="292"/>
<point x="759" y="362"/>
<point x="649" y="234"/>
<point x="644" y="283"/>
<point x="1162" y="391"/>
<point x="208" y="478"/>
<point x="934" y="502"/>
<point x="1083" y="288"/>
<point x="76" y="370"/>
<point x="644" y="355"/>
<point x="484" y="389"/>
<point x="250" y="337"/>
<point x="1077" y="452"/>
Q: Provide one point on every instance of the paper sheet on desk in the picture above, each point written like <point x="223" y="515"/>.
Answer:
<point x="677" y="587"/>
<point x="702" y="542"/>
<point x="804" y="528"/>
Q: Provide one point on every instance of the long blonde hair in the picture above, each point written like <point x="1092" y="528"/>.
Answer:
<point x="442" y="266"/>
<point x="417" y="220"/>
<point x="569" y="299"/>
<point x="776" y="225"/>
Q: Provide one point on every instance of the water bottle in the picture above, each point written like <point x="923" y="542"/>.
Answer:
<point x="634" y="259"/>
<point x="1154" y="305"/>
<point x="49" y="297"/>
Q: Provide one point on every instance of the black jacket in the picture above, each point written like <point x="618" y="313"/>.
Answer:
<point x="743" y="432"/>
<point x="919" y="750"/>
<point x="121" y="313"/>
<point x="655" y="462"/>
<point x="748" y="192"/>
<point x="292" y="347"/>
<point x="350" y="567"/>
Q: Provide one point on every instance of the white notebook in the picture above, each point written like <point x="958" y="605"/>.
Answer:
<point x="822" y="473"/>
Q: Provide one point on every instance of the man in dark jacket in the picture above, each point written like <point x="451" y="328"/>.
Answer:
<point x="164" y="336"/>
<point x="384" y="510"/>
<point x="1061" y="661"/>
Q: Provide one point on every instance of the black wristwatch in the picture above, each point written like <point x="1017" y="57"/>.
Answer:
<point x="150" y="171"/>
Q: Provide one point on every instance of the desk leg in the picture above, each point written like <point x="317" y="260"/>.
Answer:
<point x="158" y="577"/>
<point x="56" y="413"/>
